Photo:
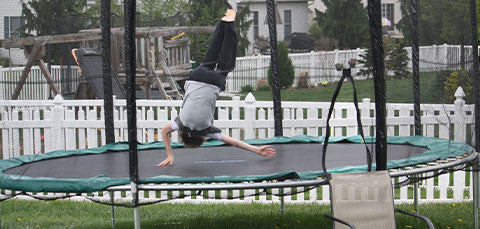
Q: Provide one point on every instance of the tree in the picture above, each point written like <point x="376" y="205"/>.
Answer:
<point x="367" y="62"/>
<point x="397" y="60"/>
<point x="345" y="21"/>
<point x="286" y="73"/>
<point x="94" y="14"/>
<point x="49" y="17"/>
<point x="440" y="21"/>
<point x="53" y="17"/>
<point x="242" y="27"/>
<point x="204" y="13"/>
<point x="155" y="12"/>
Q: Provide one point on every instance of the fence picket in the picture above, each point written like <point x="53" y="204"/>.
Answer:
<point x="37" y="142"/>
<point x="92" y="130"/>
<point x="27" y="132"/>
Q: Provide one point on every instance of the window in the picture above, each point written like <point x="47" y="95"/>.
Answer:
<point x="387" y="12"/>
<point x="256" y="31"/>
<point x="287" y="17"/>
<point x="11" y="24"/>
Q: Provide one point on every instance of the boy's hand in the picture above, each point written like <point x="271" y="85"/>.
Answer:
<point x="266" y="151"/>
<point x="168" y="161"/>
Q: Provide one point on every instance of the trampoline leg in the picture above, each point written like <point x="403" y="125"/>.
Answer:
<point x="113" y="209"/>
<point x="136" y="210"/>
<point x="282" y="205"/>
<point x="282" y="202"/>
<point x="415" y="194"/>
<point x="475" y="195"/>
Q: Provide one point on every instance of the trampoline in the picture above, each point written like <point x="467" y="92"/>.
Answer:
<point x="298" y="158"/>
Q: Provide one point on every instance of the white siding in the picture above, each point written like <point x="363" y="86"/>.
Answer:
<point x="11" y="8"/>
<point x="300" y="13"/>
<point x="318" y="4"/>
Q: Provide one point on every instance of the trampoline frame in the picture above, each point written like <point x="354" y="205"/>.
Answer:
<point x="404" y="172"/>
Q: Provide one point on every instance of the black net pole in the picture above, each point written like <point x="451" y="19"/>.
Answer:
<point x="107" y="73"/>
<point x="473" y="17"/>
<point x="415" y="67"/>
<point x="474" y="24"/>
<point x="130" y="64"/>
<point x="376" y="41"/>
<point x="277" y="104"/>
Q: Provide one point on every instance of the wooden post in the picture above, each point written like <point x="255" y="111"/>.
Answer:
<point x="28" y="66"/>
<point x="47" y="76"/>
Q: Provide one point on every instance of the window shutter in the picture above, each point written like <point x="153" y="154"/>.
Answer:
<point x="5" y="26"/>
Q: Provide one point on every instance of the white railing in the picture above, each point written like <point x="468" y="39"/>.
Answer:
<point x="34" y="127"/>
<point x="36" y="86"/>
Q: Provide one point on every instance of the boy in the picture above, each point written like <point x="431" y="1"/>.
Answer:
<point x="195" y="121"/>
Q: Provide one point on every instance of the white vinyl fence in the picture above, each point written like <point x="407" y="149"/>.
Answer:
<point x="34" y="127"/>
<point x="65" y="78"/>
<point x="248" y="70"/>
<point x="321" y="65"/>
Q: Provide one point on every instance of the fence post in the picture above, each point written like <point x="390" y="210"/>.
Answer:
<point x="249" y="116"/>
<point x="365" y="114"/>
<point x="259" y="70"/>
<point x="2" y="85"/>
<point x="312" y="69"/>
<point x="459" y="121"/>
<point x="337" y="60"/>
<point x="445" y="54"/>
<point x="57" y="121"/>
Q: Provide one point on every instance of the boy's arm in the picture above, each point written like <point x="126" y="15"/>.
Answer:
<point x="166" y="130"/>
<point x="265" y="151"/>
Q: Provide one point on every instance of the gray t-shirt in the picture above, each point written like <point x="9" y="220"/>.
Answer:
<point x="198" y="105"/>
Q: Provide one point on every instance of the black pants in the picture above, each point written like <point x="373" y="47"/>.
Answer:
<point x="220" y="57"/>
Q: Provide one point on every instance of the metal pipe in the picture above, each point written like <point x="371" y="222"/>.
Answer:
<point x="222" y="186"/>
<point x="475" y="195"/>
<point x="112" y="211"/>
<point x="136" y="209"/>
<point x="282" y="203"/>
<point x="415" y="194"/>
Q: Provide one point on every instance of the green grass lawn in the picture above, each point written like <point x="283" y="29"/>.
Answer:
<point x="67" y="214"/>
<point x="397" y="91"/>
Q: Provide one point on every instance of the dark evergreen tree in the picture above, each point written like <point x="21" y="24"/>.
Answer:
<point x="345" y="21"/>
<point x="53" y="17"/>
<point x="397" y="60"/>
<point x="439" y="21"/>
<point x="204" y="13"/>
<point x="366" y="62"/>
<point x="286" y="71"/>
<point x="49" y="17"/>
<point x="242" y="27"/>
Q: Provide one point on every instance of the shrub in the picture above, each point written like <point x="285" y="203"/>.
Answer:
<point x="459" y="79"/>
<point x="264" y="88"/>
<point x="262" y="82"/>
<point x="4" y="62"/>
<point x="246" y="89"/>
<point x="397" y="60"/>
<point x="438" y="87"/>
<point x="366" y="61"/>
<point x="286" y="73"/>
<point x="303" y="80"/>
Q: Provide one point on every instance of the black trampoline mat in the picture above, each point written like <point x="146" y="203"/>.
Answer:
<point x="210" y="161"/>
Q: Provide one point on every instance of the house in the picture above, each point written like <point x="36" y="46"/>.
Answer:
<point x="10" y="21"/>
<point x="391" y="10"/>
<point x="291" y="17"/>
